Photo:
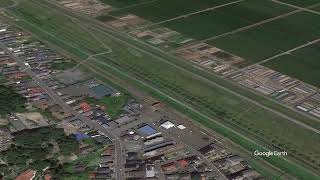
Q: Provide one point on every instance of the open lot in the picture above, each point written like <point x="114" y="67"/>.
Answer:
<point x="233" y="111"/>
<point x="302" y="64"/>
<point x="221" y="20"/>
<point x="166" y="9"/>
<point x="270" y="39"/>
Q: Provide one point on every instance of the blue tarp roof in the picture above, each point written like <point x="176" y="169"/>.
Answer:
<point x="147" y="130"/>
<point x="101" y="91"/>
<point x="80" y="136"/>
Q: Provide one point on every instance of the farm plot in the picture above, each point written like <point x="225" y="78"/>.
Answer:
<point x="303" y="64"/>
<point x="301" y="3"/>
<point x="317" y="8"/>
<point x="225" y="19"/>
<point x="165" y="9"/>
<point x="272" y="38"/>
<point x="123" y="3"/>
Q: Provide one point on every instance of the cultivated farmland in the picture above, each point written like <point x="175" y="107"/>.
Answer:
<point x="270" y="39"/>
<point x="225" y="19"/>
<point x="165" y="9"/>
<point x="302" y="3"/>
<point x="283" y="26"/>
<point x="303" y="64"/>
<point x="123" y="3"/>
<point x="317" y="8"/>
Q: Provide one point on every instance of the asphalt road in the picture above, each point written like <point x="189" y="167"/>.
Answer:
<point x="119" y="160"/>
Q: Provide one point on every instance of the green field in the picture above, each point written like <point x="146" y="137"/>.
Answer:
<point x="272" y="38"/>
<point x="114" y="105"/>
<point x="123" y="3"/>
<point x="5" y="3"/>
<point x="302" y="3"/>
<point x="317" y="8"/>
<point x="64" y="65"/>
<point x="224" y="107"/>
<point x="225" y="19"/>
<point x="302" y="64"/>
<point x="166" y="9"/>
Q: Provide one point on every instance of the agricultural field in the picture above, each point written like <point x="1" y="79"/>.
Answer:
<point x="165" y="9"/>
<point x="225" y="19"/>
<point x="272" y="38"/>
<point x="302" y="3"/>
<point x="302" y="64"/>
<point x="224" y="107"/>
<point x="123" y="3"/>
<point x="317" y="8"/>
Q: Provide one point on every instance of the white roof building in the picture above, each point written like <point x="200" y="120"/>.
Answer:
<point x="167" y="125"/>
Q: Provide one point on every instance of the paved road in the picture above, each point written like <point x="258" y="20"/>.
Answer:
<point x="300" y="8"/>
<point x="15" y="3"/>
<point x="119" y="174"/>
<point x="290" y="51"/>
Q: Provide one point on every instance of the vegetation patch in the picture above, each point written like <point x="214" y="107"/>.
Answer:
<point x="6" y="3"/>
<point x="11" y="101"/>
<point x="63" y="65"/>
<point x="105" y="18"/>
<point x="36" y="149"/>
<point x="113" y="105"/>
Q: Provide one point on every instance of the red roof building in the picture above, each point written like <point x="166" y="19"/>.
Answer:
<point x="27" y="175"/>
<point x="183" y="163"/>
<point x="85" y="107"/>
<point x="47" y="177"/>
